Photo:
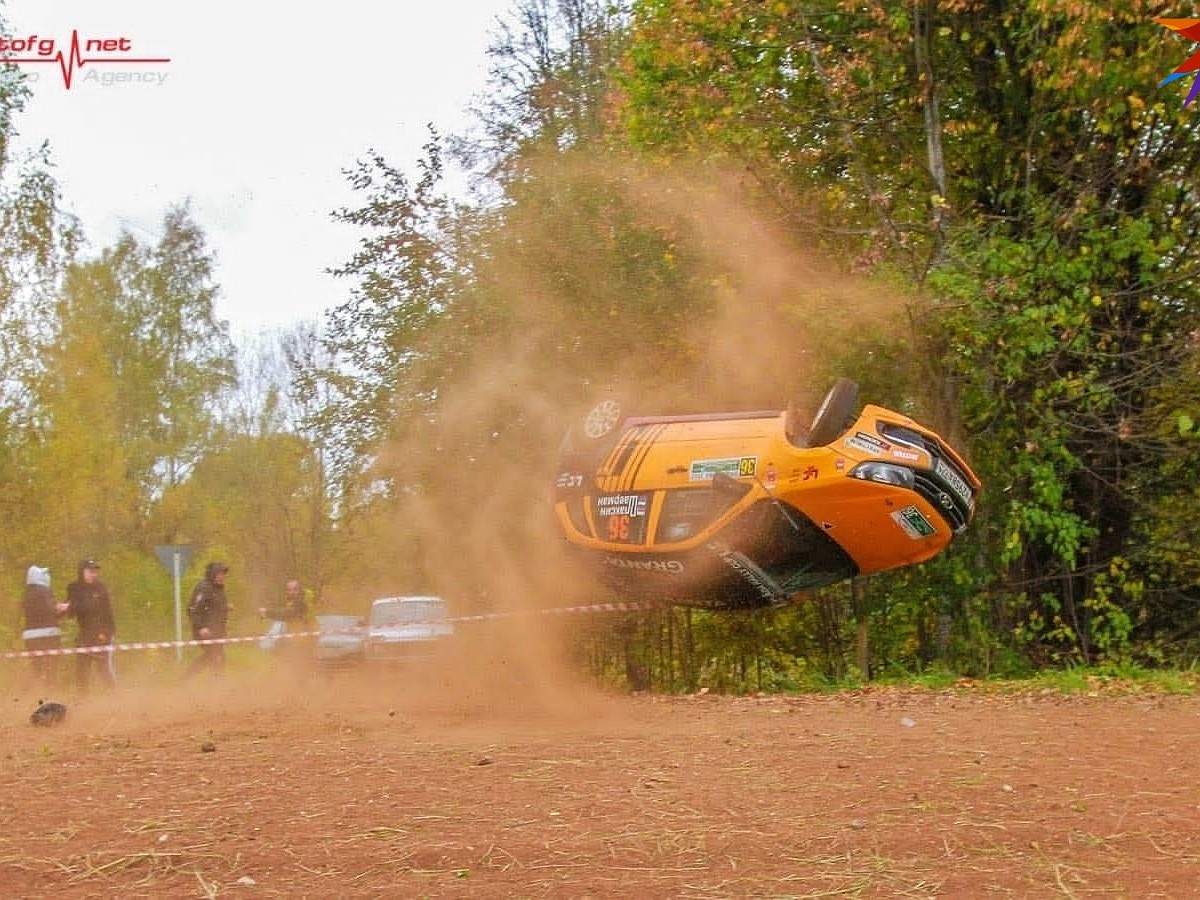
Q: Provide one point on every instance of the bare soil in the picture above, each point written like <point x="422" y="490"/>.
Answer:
<point x="427" y="781"/>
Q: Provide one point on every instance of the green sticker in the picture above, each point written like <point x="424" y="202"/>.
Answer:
<point x="914" y="523"/>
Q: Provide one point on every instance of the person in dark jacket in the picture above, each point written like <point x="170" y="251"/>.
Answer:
<point x="41" y="625"/>
<point x="291" y="607"/>
<point x="89" y="604"/>
<point x="209" y="611"/>
<point x="287" y="613"/>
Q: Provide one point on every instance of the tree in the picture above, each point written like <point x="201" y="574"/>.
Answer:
<point x="120" y="407"/>
<point x="1011" y="159"/>
<point x="175" y="356"/>
<point x="37" y="241"/>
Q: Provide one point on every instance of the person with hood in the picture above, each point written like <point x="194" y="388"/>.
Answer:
<point x="89" y="604"/>
<point x="209" y="611"/>
<point x="41" y="625"/>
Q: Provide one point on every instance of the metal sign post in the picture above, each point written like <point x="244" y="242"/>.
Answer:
<point x="174" y="558"/>
<point x="178" y="609"/>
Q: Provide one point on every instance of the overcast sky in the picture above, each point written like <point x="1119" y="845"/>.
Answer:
<point x="261" y="107"/>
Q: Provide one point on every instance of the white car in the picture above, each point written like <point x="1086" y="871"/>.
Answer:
<point x="341" y="640"/>
<point x="406" y="627"/>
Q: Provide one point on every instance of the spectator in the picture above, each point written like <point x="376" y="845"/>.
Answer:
<point x="89" y="604"/>
<point x="289" y="612"/>
<point x="209" y="612"/>
<point x="41" y="625"/>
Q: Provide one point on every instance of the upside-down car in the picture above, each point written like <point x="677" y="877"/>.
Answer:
<point x="749" y="509"/>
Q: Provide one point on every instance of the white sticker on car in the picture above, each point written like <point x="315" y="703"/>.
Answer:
<point x="633" y="505"/>
<point x="867" y="443"/>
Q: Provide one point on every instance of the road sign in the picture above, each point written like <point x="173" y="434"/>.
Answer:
<point x="166" y="554"/>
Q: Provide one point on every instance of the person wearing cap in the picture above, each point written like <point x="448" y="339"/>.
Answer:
<point x="41" y="625"/>
<point x="209" y="611"/>
<point x="89" y="604"/>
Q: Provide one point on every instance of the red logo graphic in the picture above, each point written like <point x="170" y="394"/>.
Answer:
<point x="38" y="50"/>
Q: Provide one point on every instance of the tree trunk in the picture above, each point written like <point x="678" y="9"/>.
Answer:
<point x="862" y="646"/>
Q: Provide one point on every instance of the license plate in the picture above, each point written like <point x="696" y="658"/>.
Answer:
<point x="946" y="472"/>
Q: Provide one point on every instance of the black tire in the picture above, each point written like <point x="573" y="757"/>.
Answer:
<point x="836" y="413"/>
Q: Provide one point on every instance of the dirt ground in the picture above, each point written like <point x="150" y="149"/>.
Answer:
<point x="432" y="780"/>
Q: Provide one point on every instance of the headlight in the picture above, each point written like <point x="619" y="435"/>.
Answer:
<point x="885" y="473"/>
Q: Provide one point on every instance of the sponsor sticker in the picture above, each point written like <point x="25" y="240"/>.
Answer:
<point x="867" y="443"/>
<point x="913" y="523"/>
<point x="632" y="505"/>
<point x="733" y="466"/>
<point x="656" y="566"/>
<point x="623" y="516"/>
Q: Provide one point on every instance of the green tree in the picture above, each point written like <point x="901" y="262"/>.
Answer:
<point x="1017" y="160"/>
<point x="173" y="354"/>
<point x="122" y="392"/>
<point x="38" y="238"/>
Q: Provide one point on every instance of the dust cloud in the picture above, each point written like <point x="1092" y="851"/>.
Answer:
<point x="560" y="315"/>
<point x="769" y="321"/>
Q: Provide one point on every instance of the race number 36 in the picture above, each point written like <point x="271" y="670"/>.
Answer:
<point x="618" y="528"/>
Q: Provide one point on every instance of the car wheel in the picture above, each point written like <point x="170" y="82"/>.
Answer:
<point x="836" y="413"/>
<point x="601" y="419"/>
<point x="586" y="443"/>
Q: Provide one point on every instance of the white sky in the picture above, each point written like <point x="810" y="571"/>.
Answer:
<point x="261" y="107"/>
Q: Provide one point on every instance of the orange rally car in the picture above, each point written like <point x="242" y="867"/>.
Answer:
<point x="747" y="509"/>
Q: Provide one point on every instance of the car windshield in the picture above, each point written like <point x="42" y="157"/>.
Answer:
<point x="407" y="612"/>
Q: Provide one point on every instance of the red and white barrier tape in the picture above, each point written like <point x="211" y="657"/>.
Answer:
<point x="171" y="645"/>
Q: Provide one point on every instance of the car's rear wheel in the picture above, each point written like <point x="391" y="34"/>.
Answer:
<point x="835" y="415"/>
<point x="601" y="419"/>
<point x="585" y="445"/>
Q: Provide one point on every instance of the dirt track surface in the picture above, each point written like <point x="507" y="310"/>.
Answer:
<point x="418" y="784"/>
